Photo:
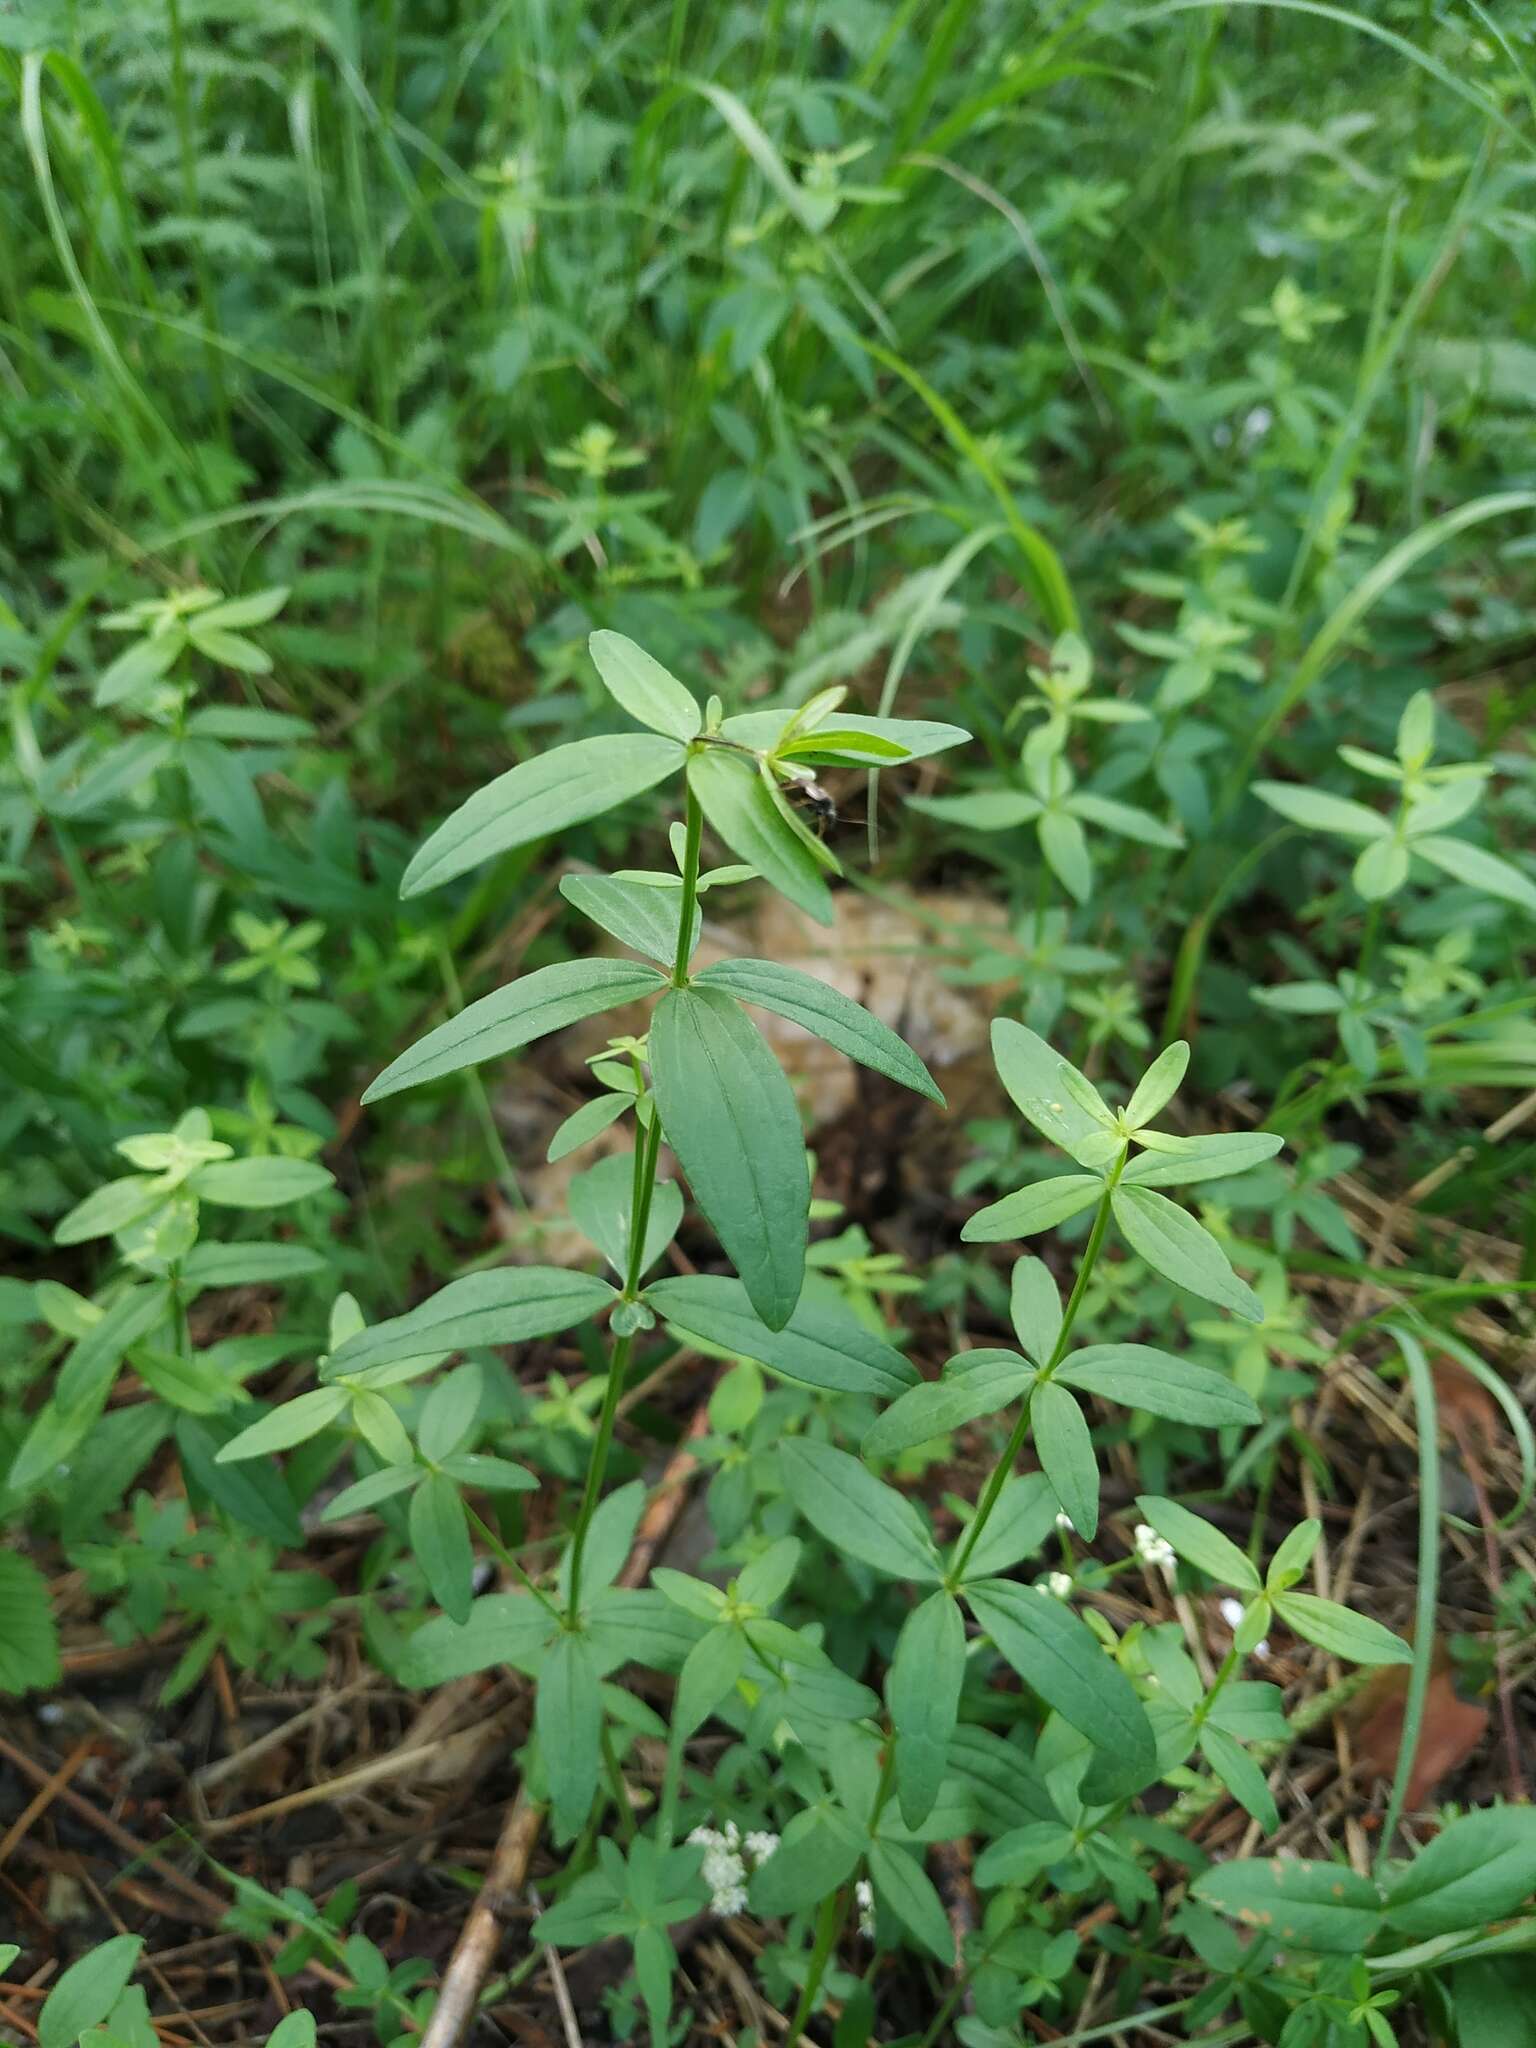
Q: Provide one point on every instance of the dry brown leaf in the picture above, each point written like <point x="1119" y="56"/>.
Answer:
<point x="1451" y="1731"/>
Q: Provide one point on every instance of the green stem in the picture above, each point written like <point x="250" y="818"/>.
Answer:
<point x="1015" y="1444"/>
<point x="617" y="1786"/>
<point x="500" y="1552"/>
<point x="1426" y="1416"/>
<point x="642" y="1191"/>
<point x="830" y="1916"/>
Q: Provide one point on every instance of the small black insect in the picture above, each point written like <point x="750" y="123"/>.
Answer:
<point x="805" y="791"/>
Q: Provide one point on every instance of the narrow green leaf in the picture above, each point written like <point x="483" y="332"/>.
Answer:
<point x="922" y="1690"/>
<point x="730" y="1116"/>
<point x="600" y="1200"/>
<point x="587" y="1123"/>
<point x="1341" y="1632"/>
<point x="503" y="1628"/>
<point x="87" y="1991"/>
<point x="812" y="1860"/>
<point x="981" y="810"/>
<point x="448" y="1414"/>
<point x="1479" y="1869"/>
<point x="29" y="1639"/>
<point x="1159" y="1084"/>
<point x="822" y="1345"/>
<point x="819" y="1008"/>
<point x="1024" y="1517"/>
<point x="637" y="914"/>
<point x="740" y="806"/>
<point x="294" y="1423"/>
<point x="440" y="1542"/>
<point x="1033" y="1209"/>
<point x="1066" y="1454"/>
<point x="1320" y="1906"/>
<point x="544" y="1001"/>
<point x="709" y="1673"/>
<point x="1030" y="1070"/>
<point x="1061" y="1659"/>
<point x="1178" y="1161"/>
<point x="568" y="1716"/>
<point x="1182" y="1250"/>
<point x="1241" y="1775"/>
<point x="650" y="694"/>
<point x="259" y="1183"/>
<point x="1320" y="812"/>
<point x="975" y="1383"/>
<point x="505" y="1306"/>
<point x="544" y="795"/>
<point x="1034" y="1303"/>
<point x="902" y="1884"/>
<point x="1479" y="870"/>
<point x="1199" y="1542"/>
<point x="857" y="1515"/>
<point x="1158" y="1383"/>
<point x="1019" y="1856"/>
<point x="917" y="737"/>
<point x="112" y="1206"/>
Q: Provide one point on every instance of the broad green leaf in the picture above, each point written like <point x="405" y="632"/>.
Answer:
<point x="294" y="1423"/>
<point x="922" y="1690"/>
<point x="1019" y="1856"/>
<point x="650" y="694"/>
<point x="568" y="1716"/>
<point x="1061" y="1436"/>
<point x="709" y="1673"/>
<point x="856" y="1514"/>
<point x="982" y="810"/>
<point x="1485" y="871"/>
<point x="1321" y="1906"/>
<point x="1320" y="812"/>
<point x="1341" y="1632"/>
<point x="902" y="1884"/>
<point x="295" y="2030"/>
<point x="87" y="1991"/>
<point x="587" y="1123"/>
<point x="1492" y="1999"/>
<point x="1024" y="1517"/>
<point x="975" y="1383"/>
<point x="562" y="787"/>
<point x="29" y="1639"/>
<point x="609" y="1540"/>
<point x="503" y="1628"/>
<point x="1034" y="1303"/>
<point x="819" y="1008"/>
<point x="112" y="1206"/>
<point x="1381" y="869"/>
<point x="259" y="1183"/>
<point x="753" y="823"/>
<point x="1128" y="820"/>
<point x="1478" y="1869"/>
<point x="1177" y="1161"/>
<point x="1033" y="1209"/>
<point x="505" y="1306"/>
<point x="633" y="913"/>
<point x="600" y="1201"/>
<point x="1159" y="1084"/>
<point x="1241" y="1775"/>
<point x="1182" y="1250"/>
<point x="1062" y="1661"/>
<point x="822" y="1345"/>
<point x="534" y="1005"/>
<point x="812" y="1859"/>
<point x="1030" y="1070"/>
<point x="1158" y="1383"/>
<point x="1199" y="1542"/>
<point x="440" y="1543"/>
<point x="730" y="1116"/>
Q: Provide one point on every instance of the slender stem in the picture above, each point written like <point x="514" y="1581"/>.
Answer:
<point x="500" y="1552"/>
<point x="830" y="1916"/>
<point x="642" y="1192"/>
<point x="1427" y="1418"/>
<point x="1015" y="1443"/>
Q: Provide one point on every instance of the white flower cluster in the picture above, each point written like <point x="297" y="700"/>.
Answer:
<point x="1154" y="1549"/>
<point x="864" y="1892"/>
<point x="727" y="1854"/>
<point x="1059" y="1583"/>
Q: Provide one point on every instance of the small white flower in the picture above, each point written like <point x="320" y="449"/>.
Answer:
<point x="1232" y="1612"/>
<point x="1154" y="1549"/>
<point x="1065" y="1523"/>
<point x="1256" y="424"/>
<point x="761" y="1845"/>
<point x="723" y="1870"/>
<point x="1060" y="1583"/>
<point x="864" y="1892"/>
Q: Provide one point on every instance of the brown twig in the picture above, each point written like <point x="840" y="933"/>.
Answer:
<point x="480" y="1935"/>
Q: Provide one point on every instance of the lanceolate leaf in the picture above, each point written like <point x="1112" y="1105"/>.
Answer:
<point x="1320" y="812"/>
<point x="1240" y="1774"/>
<point x="917" y="737"/>
<point x="856" y="1513"/>
<point x="1179" y="1161"/>
<point x="975" y="1383"/>
<point x="440" y="1541"/>
<point x="29" y="1642"/>
<point x="1341" y="1631"/>
<point x="1060" y="1658"/>
<point x="1479" y="1869"/>
<point x="505" y="1306"/>
<point x="1066" y="1454"/>
<point x="742" y="809"/>
<point x="1032" y="1209"/>
<point x="568" y="1721"/>
<point x="1182" y="1250"/>
<point x="902" y="1884"/>
<point x="546" y="1000"/>
<point x="1158" y="1383"/>
<point x="1202" y="1544"/>
<point x="822" y="1344"/>
<point x="1321" y="1906"/>
<point x="922" y="1691"/>
<point x="647" y="691"/>
<point x="1478" y="870"/>
<point x="1031" y="1072"/>
<point x="824" y="1010"/>
<point x="638" y="914"/>
<point x="544" y="795"/>
<point x="729" y="1114"/>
